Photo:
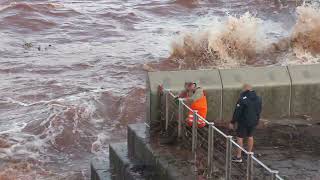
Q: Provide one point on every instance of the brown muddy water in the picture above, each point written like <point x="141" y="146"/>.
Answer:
<point x="73" y="71"/>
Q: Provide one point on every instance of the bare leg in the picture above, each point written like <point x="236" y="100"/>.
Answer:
<point x="250" y="144"/>
<point x="240" y="142"/>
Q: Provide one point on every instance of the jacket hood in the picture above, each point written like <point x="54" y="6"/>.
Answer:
<point x="250" y="94"/>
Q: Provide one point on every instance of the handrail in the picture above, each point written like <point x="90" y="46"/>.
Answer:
<point x="242" y="149"/>
<point x="187" y="106"/>
<point x="220" y="132"/>
<point x="274" y="174"/>
<point x="261" y="164"/>
<point x="278" y="177"/>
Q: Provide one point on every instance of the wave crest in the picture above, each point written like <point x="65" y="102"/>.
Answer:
<point x="231" y="43"/>
<point x="305" y="37"/>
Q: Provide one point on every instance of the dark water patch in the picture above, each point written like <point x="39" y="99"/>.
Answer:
<point x="122" y="17"/>
<point x="33" y="16"/>
<point x="42" y="8"/>
<point x="21" y="21"/>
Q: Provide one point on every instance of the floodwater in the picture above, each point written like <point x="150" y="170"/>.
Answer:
<point x="73" y="71"/>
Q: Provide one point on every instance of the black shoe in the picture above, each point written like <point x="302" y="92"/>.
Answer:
<point x="237" y="160"/>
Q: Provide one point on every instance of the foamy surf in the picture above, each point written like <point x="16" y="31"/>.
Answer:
<point x="239" y="41"/>
<point x="226" y="43"/>
<point x="305" y="37"/>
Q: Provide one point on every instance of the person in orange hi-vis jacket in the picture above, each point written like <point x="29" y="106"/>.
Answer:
<point x="195" y="97"/>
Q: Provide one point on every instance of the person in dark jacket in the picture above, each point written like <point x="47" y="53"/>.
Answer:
<point x="246" y="115"/>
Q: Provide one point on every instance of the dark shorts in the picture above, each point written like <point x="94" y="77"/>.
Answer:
<point x="245" y="131"/>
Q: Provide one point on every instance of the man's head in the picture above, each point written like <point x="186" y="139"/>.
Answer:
<point x="190" y="86"/>
<point x="246" y="87"/>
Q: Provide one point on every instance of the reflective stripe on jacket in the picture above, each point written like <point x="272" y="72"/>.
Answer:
<point x="199" y="104"/>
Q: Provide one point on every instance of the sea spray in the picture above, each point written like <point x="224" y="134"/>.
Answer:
<point x="192" y="50"/>
<point x="305" y="37"/>
<point x="229" y="43"/>
<point x="238" y="41"/>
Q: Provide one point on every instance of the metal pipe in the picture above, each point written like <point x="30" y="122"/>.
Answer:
<point x="221" y="95"/>
<point x="210" y="151"/>
<point x="290" y="92"/>
<point x="249" y="166"/>
<point x="220" y="132"/>
<point x="167" y="109"/>
<point x="171" y="94"/>
<point x="203" y="119"/>
<point x="228" y="158"/>
<point x="273" y="175"/>
<point x="194" y="131"/>
<point x="279" y="178"/>
<point x="187" y="106"/>
<point x="261" y="164"/>
<point x="194" y="140"/>
<point x="180" y="118"/>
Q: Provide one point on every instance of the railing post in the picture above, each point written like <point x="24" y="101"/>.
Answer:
<point x="228" y="157"/>
<point x="194" y="139"/>
<point x="167" y="109"/>
<point x="250" y="166"/>
<point x="180" y="118"/>
<point x="210" y="150"/>
<point x="194" y="131"/>
<point x="273" y="175"/>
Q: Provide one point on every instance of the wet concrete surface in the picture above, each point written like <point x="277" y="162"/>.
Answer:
<point x="291" y="146"/>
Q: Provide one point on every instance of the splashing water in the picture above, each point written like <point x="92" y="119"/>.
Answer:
<point x="238" y="41"/>
<point x="231" y="43"/>
<point x="241" y="41"/>
<point x="305" y="38"/>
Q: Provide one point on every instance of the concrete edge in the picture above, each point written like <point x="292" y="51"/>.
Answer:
<point x="119" y="161"/>
<point x="100" y="169"/>
<point x="141" y="149"/>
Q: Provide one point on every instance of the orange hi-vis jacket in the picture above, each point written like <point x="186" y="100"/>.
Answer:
<point x="199" y="104"/>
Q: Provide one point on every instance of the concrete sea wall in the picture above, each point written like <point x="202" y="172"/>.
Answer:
<point x="285" y="90"/>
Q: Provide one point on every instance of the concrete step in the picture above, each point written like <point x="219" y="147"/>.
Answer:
<point x="100" y="169"/>
<point x="124" y="168"/>
<point x="168" y="166"/>
<point x="119" y="166"/>
<point x="139" y="159"/>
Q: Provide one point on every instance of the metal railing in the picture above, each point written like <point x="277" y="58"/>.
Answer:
<point x="214" y="144"/>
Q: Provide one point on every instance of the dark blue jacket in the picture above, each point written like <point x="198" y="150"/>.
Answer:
<point x="248" y="109"/>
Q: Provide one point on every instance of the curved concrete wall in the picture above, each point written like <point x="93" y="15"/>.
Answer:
<point x="305" y="90"/>
<point x="271" y="83"/>
<point x="292" y="90"/>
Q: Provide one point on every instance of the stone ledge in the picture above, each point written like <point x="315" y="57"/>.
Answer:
<point x="147" y="161"/>
<point x="119" y="161"/>
<point x="125" y="168"/>
<point x="100" y="169"/>
<point x="167" y="165"/>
